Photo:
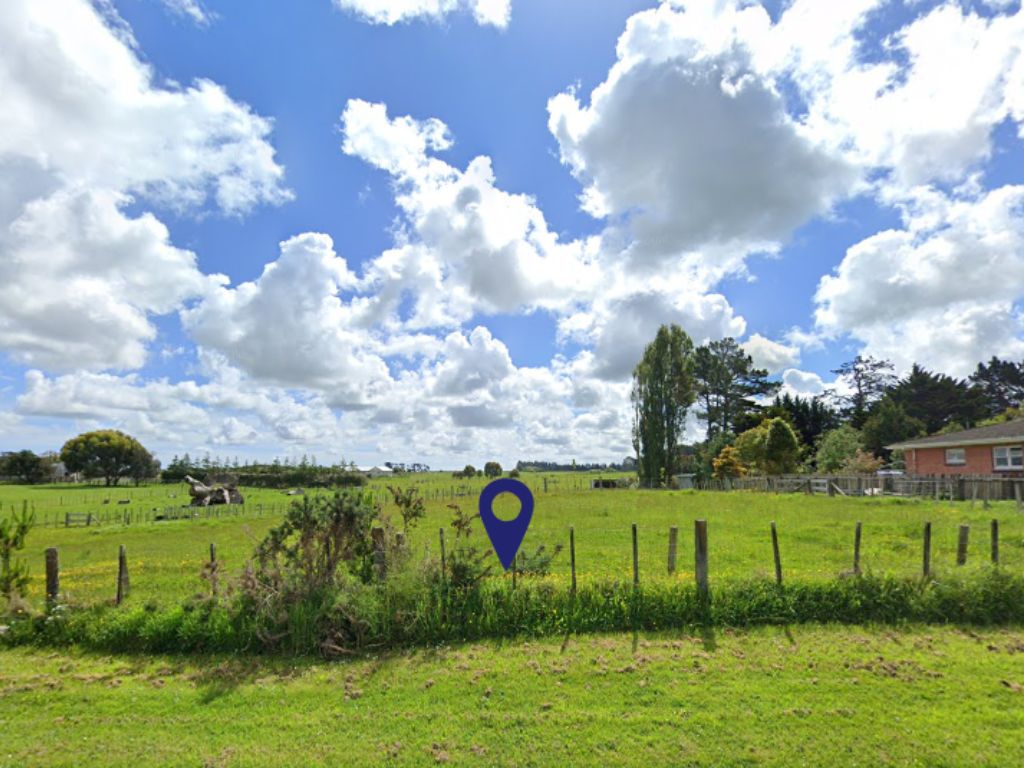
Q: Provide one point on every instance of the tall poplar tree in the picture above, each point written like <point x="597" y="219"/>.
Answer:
<point x="663" y="390"/>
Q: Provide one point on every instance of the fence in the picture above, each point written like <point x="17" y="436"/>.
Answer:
<point x="701" y="555"/>
<point x="961" y="488"/>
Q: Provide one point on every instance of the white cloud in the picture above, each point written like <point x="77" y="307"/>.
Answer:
<point x="491" y="12"/>
<point x="465" y="246"/>
<point x="770" y="355"/>
<point x="942" y="290"/>
<point x="85" y="131"/>
<point x="690" y="142"/>
<point x="191" y="9"/>
<point x="291" y="327"/>
<point x="801" y="383"/>
<point x="79" y="279"/>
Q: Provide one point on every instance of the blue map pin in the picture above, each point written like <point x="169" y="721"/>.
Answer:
<point x="506" y="535"/>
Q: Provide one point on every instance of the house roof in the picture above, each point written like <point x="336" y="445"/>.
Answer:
<point x="1006" y="432"/>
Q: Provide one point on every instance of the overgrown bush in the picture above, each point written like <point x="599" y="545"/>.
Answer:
<point x="14" y="574"/>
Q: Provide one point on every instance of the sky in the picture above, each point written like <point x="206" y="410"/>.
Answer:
<point x="443" y="231"/>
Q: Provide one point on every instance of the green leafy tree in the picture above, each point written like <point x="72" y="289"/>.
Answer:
<point x="1001" y="383"/>
<point x="837" y="447"/>
<point x="811" y="417"/>
<point x="492" y="469"/>
<point x="726" y="383"/>
<point x="663" y="390"/>
<point x="862" y="463"/>
<point x="410" y="504"/>
<point x="868" y="380"/>
<point x="25" y="466"/>
<point x="728" y="464"/>
<point x="106" y="453"/>
<point x="14" y="574"/>
<point x="938" y="400"/>
<point x="469" y="471"/>
<point x="1010" y="414"/>
<point x="889" y="423"/>
<point x="782" y="448"/>
<point x="751" y="447"/>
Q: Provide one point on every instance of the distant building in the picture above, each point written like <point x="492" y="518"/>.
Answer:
<point x="993" y="450"/>
<point x="629" y="463"/>
<point x="376" y="471"/>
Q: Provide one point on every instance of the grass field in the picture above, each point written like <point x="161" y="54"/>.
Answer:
<point x="816" y="534"/>
<point x="773" y="696"/>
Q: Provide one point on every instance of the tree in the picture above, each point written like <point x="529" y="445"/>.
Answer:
<point x="726" y="382"/>
<point x="889" y="423"/>
<point x="1001" y="383"/>
<point x="728" y="464"/>
<point x="938" y="400"/>
<point x="105" y="453"/>
<point x="143" y="465"/>
<point x="23" y="465"/>
<point x="782" y="448"/>
<point x="862" y="463"/>
<point x="469" y="471"/>
<point x="868" y="380"/>
<point x="811" y="417"/>
<point x="751" y="447"/>
<point x="837" y="447"/>
<point x="663" y="390"/>
<point x="1010" y="414"/>
<point x="492" y="469"/>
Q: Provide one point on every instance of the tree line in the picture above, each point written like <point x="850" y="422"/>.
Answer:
<point x="750" y="428"/>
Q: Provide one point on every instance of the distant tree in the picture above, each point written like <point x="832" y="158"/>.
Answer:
<point x="837" y="447"/>
<point x="726" y="383"/>
<point x="728" y="464"/>
<point x="702" y="461"/>
<point x="782" y="448"/>
<point x="106" y="453"/>
<point x="868" y="379"/>
<point x="25" y="466"/>
<point x="937" y="400"/>
<point x="811" y="417"/>
<point x="469" y="471"/>
<point x="143" y="465"/>
<point x="1001" y="383"/>
<point x="752" y="446"/>
<point x="513" y="473"/>
<point x="662" y="392"/>
<point x="492" y="469"/>
<point x="889" y="423"/>
<point x="862" y="463"/>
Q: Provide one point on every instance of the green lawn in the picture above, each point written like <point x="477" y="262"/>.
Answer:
<point x="816" y="534"/>
<point x="773" y="696"/>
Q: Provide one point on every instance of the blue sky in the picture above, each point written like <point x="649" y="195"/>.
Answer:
<point x="478" y="211"/>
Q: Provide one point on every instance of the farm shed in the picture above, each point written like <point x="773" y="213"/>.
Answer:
<point x="992" y="450"/>
<point x="376" y="471"/>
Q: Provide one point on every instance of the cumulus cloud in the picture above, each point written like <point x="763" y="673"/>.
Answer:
<point x="79" y="279"/>
<point x="942" y="290"/>
<point x="690" y="142"/>
<point x="770" y="355"/>
<point x="84" y="132"/>
<point x="466" y="246"/>
<point x="490" y="12"/>
<point x="291" y="326"/>
<point x="802" y="383"/>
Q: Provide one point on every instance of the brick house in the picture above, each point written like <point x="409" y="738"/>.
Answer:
<point x="996" y="450"/>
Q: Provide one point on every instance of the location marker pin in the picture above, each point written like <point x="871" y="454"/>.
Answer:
<point x="506" y="535"/>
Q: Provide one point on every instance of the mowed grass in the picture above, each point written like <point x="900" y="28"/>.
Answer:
<point x="771" y="696"/>
<point x="816" y="534"/>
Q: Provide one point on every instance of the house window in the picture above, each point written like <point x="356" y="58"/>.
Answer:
<point x="1008" y="457"/>
<point x="955" y="456"/>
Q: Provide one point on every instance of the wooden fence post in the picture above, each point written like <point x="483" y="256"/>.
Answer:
<point x="700" y="536"/>
<point x="927" y="568"/>
<point x="122" y="575"/>
<point x="995" y="542"/>
<point x="856" y="550"/>
<point x="673" y="541"/>
<point x="572" y="556"/>
<point x="1017" y="494"/>
<point x="775" y="552"/>
<point x="379" y="557"/>
<point x="443" y="568"/>
<point x="961" y="545"/>
<point x="52" y="577"/>
<point x="636" y="561"/>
